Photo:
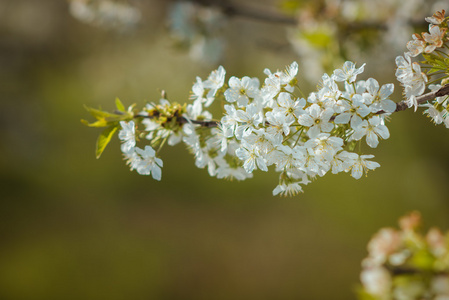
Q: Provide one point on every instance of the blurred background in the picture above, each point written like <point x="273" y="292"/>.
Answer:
<point x="73" y="227"/>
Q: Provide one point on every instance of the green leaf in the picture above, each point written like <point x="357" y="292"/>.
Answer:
<point x="99" y="123"/>
<point x="119" y="105"/>
<point x="100" y="114"/>
<point x="106" y="119"/>
<point x="104" y="139"/>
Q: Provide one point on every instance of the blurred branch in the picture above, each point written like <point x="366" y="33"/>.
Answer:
<point x="233" y="10"/>
<point x="396" y="270"/>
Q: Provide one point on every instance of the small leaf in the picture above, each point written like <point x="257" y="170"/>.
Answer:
<point x="104" y="139"/>
<point x="119" y="105"/>
<point x="99" y="114"/>
<point x="99" y="123"/>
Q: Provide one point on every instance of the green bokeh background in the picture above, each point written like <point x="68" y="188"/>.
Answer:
<point x="73" y="227"/>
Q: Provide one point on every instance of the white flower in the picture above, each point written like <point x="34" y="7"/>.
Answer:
<point x="410" y="75"/>
<point x="379" y="98"/>
<point x="289" y="107"/>
<point x="241" y="90"/>
<point x="416" y="46"/>
<point x="229" y="120"/>
<point x="287" y="158"/>
<point x="437" y="18"/>
<point x="353" y="111"/>
<point x="328" y="94"/>
<point x="324" y="146"/>
<point x="343" y="161"/>
<point x="351" y="89"/>
<point x="226" y="171"/>
<point x="252" y="160"/>
<point x="415" y="84"/>
<point x="198" y="92"/>
<point x="434" y="38"/>
<point x="215" y="81"/>
<point x="287" y="189"/>
<point x="432" y="112"/>
<point x="316" y="119"/>
<point x="362" y="165"/>
<point x="191" y="139"/>
<point x="128" y="135"/>
<point x="279" y="80"/>
<point x="271" y="87"/>
<point x="149" y="164"/>
<point x="220" y="137"/>
<point x="262" y="141"/>
<point x="372" y="128"/>
<point x="348" y="72"/>
<point x="203" y="159"/>
<point x="289" y="74"/>
<point x="279" y="125"/>
<point x="250" y="118"/>
<point x="313" y="166"/>
<point x="404" y="67"/>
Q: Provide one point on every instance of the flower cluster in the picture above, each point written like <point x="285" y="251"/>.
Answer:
<point x="269" y="125"/>
<point x="197" y="28"/>
<point x="404" y="264"/>
<point x="305" y="138"/>
<point x="326" y="29"/>
<point x="432" y="73"/>
<point x="105" y="13"/>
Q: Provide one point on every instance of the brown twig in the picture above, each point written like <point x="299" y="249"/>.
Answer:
<point x="443" y="91"/>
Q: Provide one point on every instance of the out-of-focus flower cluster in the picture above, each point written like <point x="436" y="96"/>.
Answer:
<point x="303" y="138"/>
<point x="111" y="14"/>
<point x="198" y="28"/>
<point x="404" y="264"/>
<point x="432" y="72"/>
<point x="329" y="30"/>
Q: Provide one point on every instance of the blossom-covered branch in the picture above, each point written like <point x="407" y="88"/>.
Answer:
<point x="302" y="137"/>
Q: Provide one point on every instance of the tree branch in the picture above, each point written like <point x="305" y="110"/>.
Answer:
<point x="411" y="271"/>
<point x="443" y="91"/>
<point x="232" y="10"/>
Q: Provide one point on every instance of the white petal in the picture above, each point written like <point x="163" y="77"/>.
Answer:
<point x="305" y="120"/>
<point x="156" y="172"/>
<point x="372" y="140"/>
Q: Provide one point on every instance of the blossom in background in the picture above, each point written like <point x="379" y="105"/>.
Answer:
<point x="199" y="28"/>
<point x="405" y="264"/>
<point x="115" y="15"/>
